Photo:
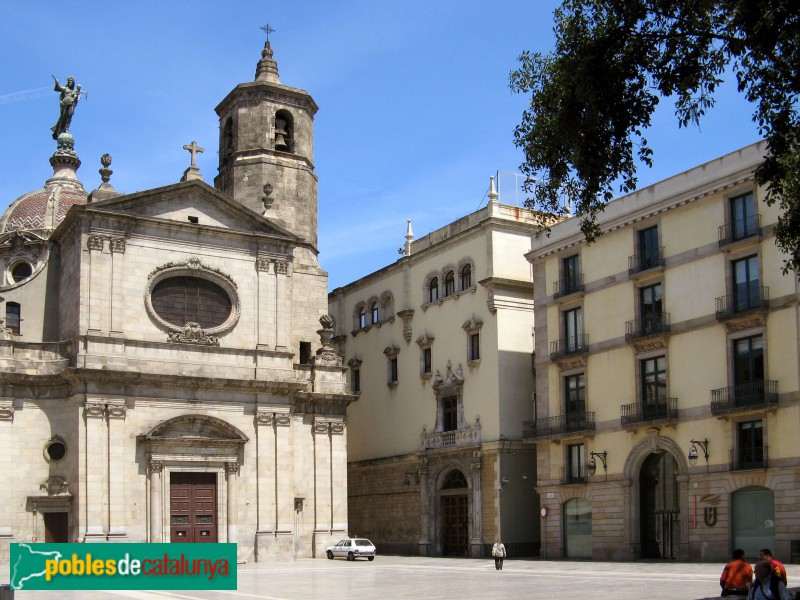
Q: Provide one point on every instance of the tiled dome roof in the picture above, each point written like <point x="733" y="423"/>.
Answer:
<point x="41" y="209"/>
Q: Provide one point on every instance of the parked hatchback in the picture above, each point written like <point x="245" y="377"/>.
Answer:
<point x="352" y="548"/>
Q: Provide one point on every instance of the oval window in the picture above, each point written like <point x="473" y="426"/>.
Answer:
<point x="21" y="272"/>
<point x="182" y="300"/>
<point x="56" y="450"/>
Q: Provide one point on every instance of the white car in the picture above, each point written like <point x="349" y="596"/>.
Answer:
<point x="352" y="548"/>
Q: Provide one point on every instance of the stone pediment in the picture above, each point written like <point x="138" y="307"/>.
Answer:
<point x="194" y="429"/>
<point x="192" y="203"/>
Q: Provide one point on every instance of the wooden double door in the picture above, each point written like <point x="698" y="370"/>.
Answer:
<point x="193" y="507"/>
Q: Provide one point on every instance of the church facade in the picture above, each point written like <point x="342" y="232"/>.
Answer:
<point x="165" y="362"/>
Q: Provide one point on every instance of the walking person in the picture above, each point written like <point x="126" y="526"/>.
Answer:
<point x="777" y="566"/>
<point x="737" y="576"/>
<point x="499" y="553"/>
<point x="767" y="586"/>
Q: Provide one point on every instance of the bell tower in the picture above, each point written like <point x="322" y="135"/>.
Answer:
<point x="266" y="150"/>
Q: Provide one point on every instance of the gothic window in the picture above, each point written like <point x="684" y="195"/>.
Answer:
<point x="374" y="311"/>
<point x="449" y="283"/>
<point x="387" y="305"/>
<point x="473" y="330"/>
<point x="433" y="289"/>
<point x="392" y="374"/>
<point x="355" y="374"/>
<point x="454" y="480"/>
<point x="181" y="300"/>
<point x="284" y="130"/>
<point x="13" y="318"/>
<point x="425" y="342"/>
<point x="466" y="276"/>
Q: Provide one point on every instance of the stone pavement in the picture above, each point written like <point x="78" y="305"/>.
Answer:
<point x="399" y="577"/>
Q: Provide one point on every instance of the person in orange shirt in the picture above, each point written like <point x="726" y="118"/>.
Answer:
<point x="737" y="576"/>
<point x="777" y="566"/>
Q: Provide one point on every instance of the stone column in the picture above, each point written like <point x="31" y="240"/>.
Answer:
<point x="284" y="306"/>
<point x="339" y="476"/>
<point x="322" y="476"/>
<point x="231" y="476"/>
<point x="425" y="516"/>
<point x="476" y="541"/>
<point x="156" y="525"/>
<point x="95" y="455"/>
<point x="116" y="469"/>
<point x="117" y="296"/>
<point x="284" y="468"/>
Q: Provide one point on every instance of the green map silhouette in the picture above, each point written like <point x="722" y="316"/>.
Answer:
<point x="28" y="564"/>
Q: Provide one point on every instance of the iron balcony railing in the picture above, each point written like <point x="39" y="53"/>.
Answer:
<point x="646" y="260"/>
<point x="567" y="287"/>
<point x="664" y="409"/>
<point x="558" y="425"/>
<point x="646" y="326"/>
<point x="750" y="298"/>
<point x="577" y="344"/>
<point x="748" y="458"/>
<point x="744" y="395"/>
<point x="573" y="475"/>
<point x="740" y="230"/>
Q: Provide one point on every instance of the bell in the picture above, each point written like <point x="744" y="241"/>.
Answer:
<point x="280" y="135"/>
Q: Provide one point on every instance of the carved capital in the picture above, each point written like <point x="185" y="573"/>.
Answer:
<point x="156" y="466"/>
<point x="94" y="242"/>
<point x="337" y="428"/>
<point x="321" y="427"/>
<point x="264" y="418"/>
<point x="116" y="411"/>
<point x="117" y="244"/>
<point x="232" y="468"/>
<point x="96" y="410"/>
<point x="6" y="411"/>
<point x="262" y="263"/>
<point x="281" y="267"/>
<point x="283" y="419"/>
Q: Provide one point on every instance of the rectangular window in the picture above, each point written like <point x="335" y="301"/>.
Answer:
<point x="375" y="316"/>
<point x="748" y="370"/>
<point x="449" y="413"/>
<point x="573" y="329"/>
<point x="651" y="308"/>
<point x="426" y="360"/>
<point x="751" y="445"/>
<point x="743" y="216"/>
<point x="575" y="463"/>
<point x="305" y="353"/>
<point x="571" y="275"/>
<point x="746" y="284"/>
<point x="474" y="350"/>
<point x="575" y="397"/>
<point x="393" y="370"/>
<point x="654" y="386"/>
<point x="648" y="248"/>
<point x="13" y="317"/>
<point x="355" y="380"/>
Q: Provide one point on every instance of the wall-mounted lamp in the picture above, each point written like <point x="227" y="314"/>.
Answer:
<point x="409" y="476"/>
<point x="693" y="450"/>
<point x="592" y="467"/>
<point x="504" y="480"/>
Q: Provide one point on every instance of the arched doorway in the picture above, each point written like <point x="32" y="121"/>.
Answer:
<point x="454" y="511"/>
<point x="578" y="528"/>
<point x="753" y="524"/>
<point x="658" y="506"/>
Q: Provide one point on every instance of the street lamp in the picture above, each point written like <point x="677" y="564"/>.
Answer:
<point x="592" y="467"/>
<point x="693" y="450"/>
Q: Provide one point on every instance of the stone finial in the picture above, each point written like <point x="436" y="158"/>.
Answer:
<point x="192" y="172"/>
<point x="267" y="68"/>
<point x="106" y="190"/>
<point x="409" y="238"/>
<point x="493" y="195"/>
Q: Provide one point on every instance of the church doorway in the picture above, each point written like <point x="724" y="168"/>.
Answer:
<point x="658" y="506"/>
<point x="193" y="507"/>
<point x="455" y="515"/>
<point x="56" y="527"/>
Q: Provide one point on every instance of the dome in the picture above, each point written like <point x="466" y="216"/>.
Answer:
<point x="40" y="210"/>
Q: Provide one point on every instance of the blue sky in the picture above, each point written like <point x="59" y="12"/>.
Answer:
<point x="415" y="111"/>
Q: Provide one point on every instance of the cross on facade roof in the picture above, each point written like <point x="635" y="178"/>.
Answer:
<point x="194" y="149"/>
<point x="267" y="29"/>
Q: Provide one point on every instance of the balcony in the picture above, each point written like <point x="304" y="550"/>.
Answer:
<point x="740" y="230"/>
<point x="746" y="459"/>
<point x="578" y="344"/>
<point x="568" y="287"/>
<point x="467" y="436"/>
<point x="663" y="410"/>
<point x="646" y="261"/>
<point x="573" y="475"/>
<point x="647" y="326"/>
<point x="752" y="298"/>
<point x="559" y="425"/>
<point x="745" y="396"/>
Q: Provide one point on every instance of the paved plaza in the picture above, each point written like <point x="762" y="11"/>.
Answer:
<point x="396" y="577"/>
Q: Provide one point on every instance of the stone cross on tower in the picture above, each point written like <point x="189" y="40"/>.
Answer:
<point x="192" y="172"/>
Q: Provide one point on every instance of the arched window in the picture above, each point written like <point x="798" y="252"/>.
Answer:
<point x="13" y="317"/>
<point x="466" y="277"/>
<point x="284" y="131"/>
<point x="362" y="318"/>
<point x="454" y="480"/>
<point x="21" y="271"/>
<point x="374" y="313"/>
<point x="449" y="283"/>
<point x="433" y="289"/>
<point x="387" y="305"/>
